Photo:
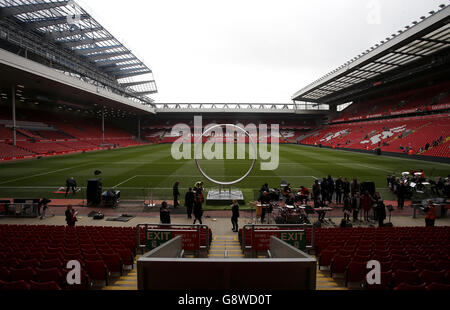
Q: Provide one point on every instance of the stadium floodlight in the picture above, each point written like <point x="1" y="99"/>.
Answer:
<point x="442" y="6"/>
<point x="422" y="17"/>
<point x="431" y="12"/>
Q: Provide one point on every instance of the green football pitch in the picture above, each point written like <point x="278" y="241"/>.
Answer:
<point x="140" y="170"/>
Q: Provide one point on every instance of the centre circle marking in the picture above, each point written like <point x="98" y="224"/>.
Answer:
<point x="235" y="181"/>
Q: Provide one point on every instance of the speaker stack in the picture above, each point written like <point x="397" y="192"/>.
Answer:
<point x="368" y="186"/>
<point x="94" y="191"/>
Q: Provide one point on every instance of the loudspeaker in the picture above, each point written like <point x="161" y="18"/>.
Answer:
<point x="94" y="191"/>
<point x="368" y="186"/>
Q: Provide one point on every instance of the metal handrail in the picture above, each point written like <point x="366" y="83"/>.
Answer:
<point x="300" y="226"/>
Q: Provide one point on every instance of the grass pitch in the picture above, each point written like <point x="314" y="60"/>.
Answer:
<point x="134" y="171"/>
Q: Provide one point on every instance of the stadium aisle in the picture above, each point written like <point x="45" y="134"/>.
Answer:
<point x="127" y="282"/>
<point x="325" y="283"/>
<point x="225" y="246"/>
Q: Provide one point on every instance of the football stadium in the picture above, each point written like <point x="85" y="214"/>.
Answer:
<point x="345" y="187"/>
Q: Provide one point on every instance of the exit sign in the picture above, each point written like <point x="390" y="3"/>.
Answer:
<point x="155" y="238"/>
<point x="296" y="238"/>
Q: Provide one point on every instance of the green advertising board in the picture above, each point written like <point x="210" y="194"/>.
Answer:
<point x="295" y="238"/>
<point x="154" y="239"/>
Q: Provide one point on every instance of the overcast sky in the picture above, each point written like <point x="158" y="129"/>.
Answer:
<point x="249" y="51"/>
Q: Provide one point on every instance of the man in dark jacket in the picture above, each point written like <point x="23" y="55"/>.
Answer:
<point x="316" y="190"/>
<point x="189" y="202"/>
<point x="339" y="190"/>
<point x="401" y="192"/>
<point x="331" y="187"/>
<point x="235" y="215"/>
<point x="176" y="194"/>
<point x="346" y="187"/>
<point x="381" y="211"/>
<point x="164" y="213"/>
<point x="356" y="205"/>
<point x="354" y="187"/>
<point x="324" y="189"/>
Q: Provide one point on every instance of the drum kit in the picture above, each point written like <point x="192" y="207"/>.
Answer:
<point x="292" y="214"/>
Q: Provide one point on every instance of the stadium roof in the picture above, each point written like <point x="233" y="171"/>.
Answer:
<point x="418" y="42"/>
<point x="70" y="27"/>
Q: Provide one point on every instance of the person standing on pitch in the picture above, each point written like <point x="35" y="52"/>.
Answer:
<point x="235" y="215"/>
<point x="198" y="211"/>
<point x="189" y="202"/>
<point x="339" y="190"/>
<point x="71" y="184"/>
<point x="176" y="195"/>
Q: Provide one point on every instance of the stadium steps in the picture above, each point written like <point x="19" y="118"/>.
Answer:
<point x="325" y="283"/>
<point x="127" y="282"/>
<point x="223" y="245"/>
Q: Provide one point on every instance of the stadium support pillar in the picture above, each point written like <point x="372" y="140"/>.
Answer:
<point x="13" y="100"/>
<point x="139" y="128"/>
<point x="103" y="125"/>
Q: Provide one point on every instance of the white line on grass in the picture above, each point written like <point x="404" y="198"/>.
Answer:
<point x="125" y="181"/>
<point x="372" y="167"/>
<point x="41" y="174"/>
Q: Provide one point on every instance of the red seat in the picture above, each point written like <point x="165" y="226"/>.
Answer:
<point x="326" y="257"/>
<point x="423" y="265"/>
<point x="113" y="262"/>
<point x="33" y="263"/>
<point x="363" y="252"/>
<point x="339" y="264"/>
<point x="405" y="276"/>
<point x="428" y="276"/>
<point x="400" y="258"/>
<point x="356" y="272"/>
<point x="361" y="259"/>
<point x="381" y="258"/>
<point x="48" y="275"/>
<point x="37" y="255"/>
<point x="45" y="286"/>
<point x="72" y="251"/>
<point x="92" y="256"/>
<point x="438" y="287"/>
<point x="403" y="265"/>
<point x="53" y="255"/>
<point x="51" y="263"/>
<point x="97" y="270"/>
<point x="126" y="256"/>
<point x="14" y="286"/>
<point x="4" y="274"/>
<point x="410" y="287"/>
<point x="26" y="274"/>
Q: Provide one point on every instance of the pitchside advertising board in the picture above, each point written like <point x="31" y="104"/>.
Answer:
<point x="296" y="238"/>
<point x="190" y="238"/>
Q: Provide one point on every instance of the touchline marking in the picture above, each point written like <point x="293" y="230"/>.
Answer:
<point x="41" y="174"/>
<point x="372" y="167"/>
<point x="125" y="181"/>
